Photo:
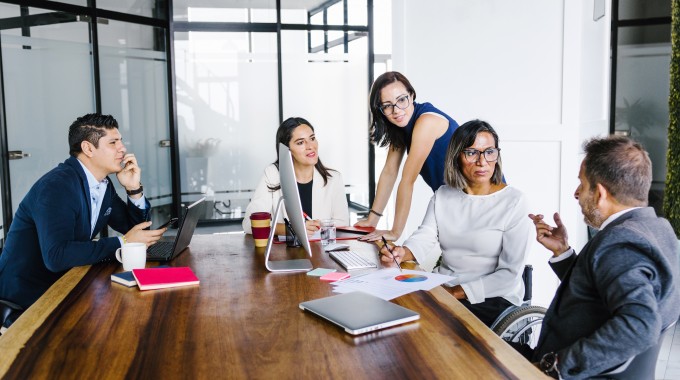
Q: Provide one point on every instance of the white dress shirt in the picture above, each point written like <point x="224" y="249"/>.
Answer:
<point x="97" y="192"/>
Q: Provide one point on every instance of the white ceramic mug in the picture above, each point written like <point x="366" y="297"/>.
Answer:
<point x="133" y="255"/>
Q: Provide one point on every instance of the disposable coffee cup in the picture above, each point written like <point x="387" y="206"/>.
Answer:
<point x="132" y="255"/>
<point x="261" y="223"/>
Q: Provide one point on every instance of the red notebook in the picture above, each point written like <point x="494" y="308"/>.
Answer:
<point x="159" y="278"/>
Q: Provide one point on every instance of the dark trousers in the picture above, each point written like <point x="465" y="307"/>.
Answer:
<point x="9" y="312"/>
<point x="523" y="349"/>
<point x="488" y="310"/>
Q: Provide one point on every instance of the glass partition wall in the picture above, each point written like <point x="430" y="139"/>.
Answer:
<point x="68" y="59"/>
<point x="47" y="78"/>
<point x="239" y="73"/>
<point x="226" y="85"/>
<point x="641" y="54"/>
<point x="198" y="87"/>
<point x="133" y="68"/>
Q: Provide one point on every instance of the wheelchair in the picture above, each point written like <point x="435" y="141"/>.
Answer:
<point x="521" y="324"/>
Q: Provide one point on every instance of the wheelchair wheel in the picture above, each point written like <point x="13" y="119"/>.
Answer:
<point x="522" y="325"/>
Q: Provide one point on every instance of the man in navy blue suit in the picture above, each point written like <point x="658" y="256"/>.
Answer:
<point x="55" y="225"/>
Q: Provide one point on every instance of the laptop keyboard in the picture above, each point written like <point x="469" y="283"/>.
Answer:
<point x="351" y="260"/>
<point x="160" y="250"/>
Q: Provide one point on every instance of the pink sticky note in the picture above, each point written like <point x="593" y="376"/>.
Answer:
<point x="334" y="276"/>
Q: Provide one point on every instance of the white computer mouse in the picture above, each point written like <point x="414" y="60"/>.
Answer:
<point x="336" y="247"/>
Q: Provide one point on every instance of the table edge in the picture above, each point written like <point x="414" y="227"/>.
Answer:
<point x="15" y="338"/>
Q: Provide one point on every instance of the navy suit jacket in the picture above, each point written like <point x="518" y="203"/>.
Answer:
<point x="50" y="233"/>
<point x="615" y="297"/>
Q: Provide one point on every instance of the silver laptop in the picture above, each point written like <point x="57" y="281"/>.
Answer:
<point x="167" y="249"/>
<point x="359" y="313"/>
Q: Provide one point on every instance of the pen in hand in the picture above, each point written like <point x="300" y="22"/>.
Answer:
<point x="390" y="251"/>
<point x="308" y="219"/>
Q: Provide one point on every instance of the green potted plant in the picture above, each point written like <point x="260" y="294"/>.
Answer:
<point x="671" y="201"/>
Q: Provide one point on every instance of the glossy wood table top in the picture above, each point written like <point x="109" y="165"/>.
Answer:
<point x="240" y="322"/>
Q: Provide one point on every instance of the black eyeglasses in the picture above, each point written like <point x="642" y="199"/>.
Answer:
<point x="490" y="155"/>
<point x="402" y="103"/>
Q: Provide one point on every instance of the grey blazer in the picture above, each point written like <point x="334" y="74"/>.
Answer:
<point x="615" y="297"/>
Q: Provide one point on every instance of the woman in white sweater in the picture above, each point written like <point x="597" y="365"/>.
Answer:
<point x="322" y="191"/>
<point x="479" y="223"/>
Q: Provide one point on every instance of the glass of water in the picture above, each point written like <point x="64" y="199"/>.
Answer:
<point x="327" y="231"/>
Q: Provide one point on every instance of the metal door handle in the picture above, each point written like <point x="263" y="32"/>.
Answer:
<point x="17" y="154"/>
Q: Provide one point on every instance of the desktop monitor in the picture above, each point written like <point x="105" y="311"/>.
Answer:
<point x="291" y="199"/>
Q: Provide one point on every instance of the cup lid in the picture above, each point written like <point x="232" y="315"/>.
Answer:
<point x="260" y="215"/>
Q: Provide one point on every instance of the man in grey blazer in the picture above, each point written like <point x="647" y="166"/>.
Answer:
<point x="621" y="290"/>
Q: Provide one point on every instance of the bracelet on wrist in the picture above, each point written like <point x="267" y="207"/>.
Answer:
<point x="372" y="211"/>
<point x="124" y="239"/>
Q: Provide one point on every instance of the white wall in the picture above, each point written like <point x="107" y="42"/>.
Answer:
<point x="536" y="70"/>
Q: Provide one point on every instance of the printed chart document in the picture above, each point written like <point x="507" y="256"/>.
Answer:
<point x="391" y="283"/>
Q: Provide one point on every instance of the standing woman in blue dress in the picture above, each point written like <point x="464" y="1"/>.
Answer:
<point x="419" y="129"/>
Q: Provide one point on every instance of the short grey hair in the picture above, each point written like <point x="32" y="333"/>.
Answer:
<point x="622" y="166"/>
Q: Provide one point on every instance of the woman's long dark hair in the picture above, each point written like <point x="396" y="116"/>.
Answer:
<point x="284" y="134"/>
<point x="383" y="133"/>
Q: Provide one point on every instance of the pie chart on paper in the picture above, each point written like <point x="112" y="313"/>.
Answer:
<point x="410" y="278"/>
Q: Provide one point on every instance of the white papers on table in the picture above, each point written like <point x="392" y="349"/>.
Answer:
<point x="391" y="283"/>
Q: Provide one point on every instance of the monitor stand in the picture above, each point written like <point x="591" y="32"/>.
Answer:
<point x="297" y="265"/>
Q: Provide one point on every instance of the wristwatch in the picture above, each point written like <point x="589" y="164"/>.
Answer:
<point x="548" y="364"/>
<point x="136" y="191"/>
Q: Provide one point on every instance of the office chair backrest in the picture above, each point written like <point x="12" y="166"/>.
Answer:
<point x="641" y="366"/>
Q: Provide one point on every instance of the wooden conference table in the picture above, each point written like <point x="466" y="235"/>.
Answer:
<point x="240" y="322"/>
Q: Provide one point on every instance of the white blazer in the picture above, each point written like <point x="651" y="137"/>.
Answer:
<point x="328" y="202"/>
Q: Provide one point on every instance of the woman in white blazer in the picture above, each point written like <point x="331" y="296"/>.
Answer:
<point x="322" y="190"/>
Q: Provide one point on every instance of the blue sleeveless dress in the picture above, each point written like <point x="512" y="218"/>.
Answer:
<point x="433" y="167"/>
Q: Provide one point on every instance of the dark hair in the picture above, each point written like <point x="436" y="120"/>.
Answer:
<point x="91" y="128"/>
<point x="384" y="133"/>
<point x="622" y="166"/>
<point x="284" y="134"/>
<point x="462" y="138"/>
